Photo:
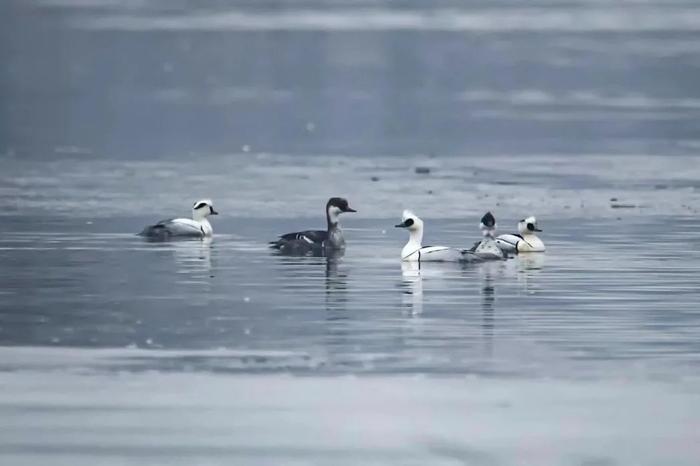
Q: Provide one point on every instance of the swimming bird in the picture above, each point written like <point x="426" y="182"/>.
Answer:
<point x="317" y="241"/>
<point x="525" y="240"/>
<point x="414" y="251"/>
<point x="196" y="227"/>
<point x="487" y="248"/>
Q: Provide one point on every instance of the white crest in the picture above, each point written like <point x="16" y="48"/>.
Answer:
<point x="522" y="225"/>
<point x="202" y="209"/>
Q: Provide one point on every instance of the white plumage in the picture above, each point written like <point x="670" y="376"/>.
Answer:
<point x="525" y="240"/>
<point x="196" y="227"/>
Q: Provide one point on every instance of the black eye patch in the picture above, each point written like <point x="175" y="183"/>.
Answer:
<point x="408" y="222"/>
<point x="531" y="227"/>
<point x="200" y="205"/>
<point x="488" y="220"/>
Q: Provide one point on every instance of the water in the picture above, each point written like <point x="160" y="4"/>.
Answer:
<point x="230" y="305"/>
<point x="115" y="350"/>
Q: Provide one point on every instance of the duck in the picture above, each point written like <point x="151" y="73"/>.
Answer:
<point x="414" y="251"/>
<point x="487" y="248"/>
<point x="525" y="240"/>
<point x="317" y="241"/>
<point x="196" y="227"/>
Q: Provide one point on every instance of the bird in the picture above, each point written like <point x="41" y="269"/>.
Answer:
<point x="317" y="242"/>
<point x="487" y="248"/>
<point x="196" y="227"/>
<point x="414" y="251"/>
<point x="525" y="240"/>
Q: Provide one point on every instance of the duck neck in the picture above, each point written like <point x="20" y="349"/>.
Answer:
<point x="205" y="225"/>
<point x="198" y="216"/>
<point x="415" y="241"/>
<point x="332" y="221"/>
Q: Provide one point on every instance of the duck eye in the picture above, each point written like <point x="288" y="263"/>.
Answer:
<point x="408" y="222"/>
<point x="530" y="227"/>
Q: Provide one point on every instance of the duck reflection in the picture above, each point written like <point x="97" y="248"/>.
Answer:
<point x="525" y="268"/>
<point x="338" y="334"/>
<point x="336" y="282"/>
<point x="530" y="264"/>
<point x="488" y="304"/>
<point x="193" y="256"/>
<point x="412" y="283"/>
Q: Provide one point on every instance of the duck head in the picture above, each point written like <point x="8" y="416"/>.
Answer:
<point x="414" y="225"/>
<point x="202" y="209"/>
<point x="488" y="224"/>
<point x="336" y="206"/>
<point x="410" y="221"/>
<point x="528" y="226"/>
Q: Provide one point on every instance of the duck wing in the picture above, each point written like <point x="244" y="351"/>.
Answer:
<point x="509" y="242"/>
<point x="174" y="227"/>
<point x="470" y="256"/>
<point x="489" y="249"/>
<point x="301" y="242"/>
<point x="435" y="254"/>
<point x="310" y="236"/>
<point x="473" y="248"/>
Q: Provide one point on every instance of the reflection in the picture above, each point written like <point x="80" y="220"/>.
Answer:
<point x="531" y="262"/>
<point x="193" y="256"/>
<point x="303" y="270"/>
<point x="488" y="275"/>
<point x="338" y="334"/>
<point x="488" y="301"/>
<point x="412" y="283"/>
<point x="525" y="268"/>
<point x="336" y="283"/>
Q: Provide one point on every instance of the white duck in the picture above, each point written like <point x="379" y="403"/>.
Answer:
<point x="525" y="240"/>
<point x="196" y="227"/>
<point x="414" y="251"/>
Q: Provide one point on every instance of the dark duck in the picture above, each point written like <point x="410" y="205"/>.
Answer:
<point x="317" y="242"/>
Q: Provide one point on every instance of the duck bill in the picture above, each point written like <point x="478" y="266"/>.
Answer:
<point x="349" y="209"/>
<point x="400" y="225"/>
<point x="213" y="212"/>
<point x="537" y="229"/>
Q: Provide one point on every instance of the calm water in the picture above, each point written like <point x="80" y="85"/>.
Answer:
<point x="115" y="114"/>
<point x="229" y="305"/>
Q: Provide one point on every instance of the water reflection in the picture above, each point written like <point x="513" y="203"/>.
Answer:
<point x="193" y="256"/>
<point x="488" y="305"/>
<point x="338" y="334"/>
<point x="336" y="284"/>
<point x="525" y="268"/>
<point x="412" y="283"/>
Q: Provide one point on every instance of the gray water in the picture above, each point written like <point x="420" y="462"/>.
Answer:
<point x="115" y="350"/>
